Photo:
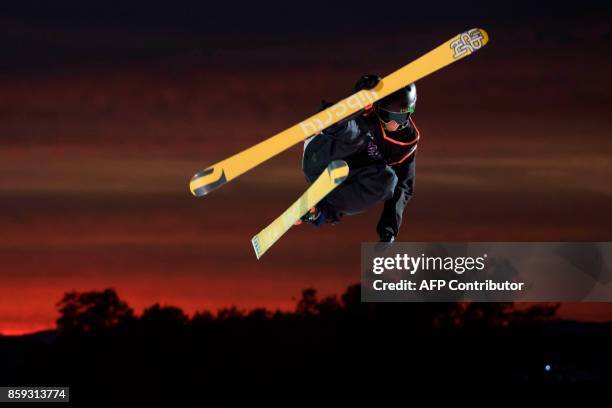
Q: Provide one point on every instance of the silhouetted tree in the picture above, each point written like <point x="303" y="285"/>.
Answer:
<point x="307" y="305"/>
<point x="166" y="317"/>
<point x="351" y="298"/>
<point x="485" y="315"/>
<point x="329" y="305"/>
<point x="204" y="318"/>
<point x="535" y="313"/>
<point x="91" y="312"/>
<point x="259" y="314"/>
<point x="231" y="313"/>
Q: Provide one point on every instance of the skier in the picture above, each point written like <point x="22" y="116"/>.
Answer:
<point x="379" y="147"/>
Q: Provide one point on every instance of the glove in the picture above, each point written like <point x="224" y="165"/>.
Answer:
<point x="386" y="240"/>
<point x="368" y="81"/>
<point x="314" y="216"/>
<point x="387" y="236"/>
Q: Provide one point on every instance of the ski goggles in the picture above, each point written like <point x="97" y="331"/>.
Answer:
<point x="398" y="117"/>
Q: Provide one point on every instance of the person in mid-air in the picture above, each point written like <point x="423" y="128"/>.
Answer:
<point x="379" y="147"/>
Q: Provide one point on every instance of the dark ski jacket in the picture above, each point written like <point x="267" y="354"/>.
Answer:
<point x="363" y="142"/>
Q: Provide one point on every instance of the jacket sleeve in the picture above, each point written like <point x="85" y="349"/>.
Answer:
<point x="393" y="211"/>
<point x="348" y="133"/>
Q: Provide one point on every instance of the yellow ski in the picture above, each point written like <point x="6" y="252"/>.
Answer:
<point x="332" y="177"/>
<point x="454" y="49"/>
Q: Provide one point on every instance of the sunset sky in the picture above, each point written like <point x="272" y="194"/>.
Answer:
<point x="105" y="115"/>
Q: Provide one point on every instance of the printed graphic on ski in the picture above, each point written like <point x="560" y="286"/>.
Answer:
<point x="332" y="177"/>
<point x="453" y="50"/>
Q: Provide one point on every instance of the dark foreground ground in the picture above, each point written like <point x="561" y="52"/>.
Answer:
<point x="103" y="351"/>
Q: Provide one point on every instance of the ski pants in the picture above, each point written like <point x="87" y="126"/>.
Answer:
<point x="368" y="183"/>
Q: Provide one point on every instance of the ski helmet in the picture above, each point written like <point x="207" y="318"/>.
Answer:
<point x="394" y="110"/>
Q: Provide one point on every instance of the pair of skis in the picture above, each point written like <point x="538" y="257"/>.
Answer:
<point x="217" y="175"/>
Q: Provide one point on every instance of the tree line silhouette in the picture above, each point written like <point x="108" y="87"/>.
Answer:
<point x="96" y="312"/>
<point x="100" y="340"/>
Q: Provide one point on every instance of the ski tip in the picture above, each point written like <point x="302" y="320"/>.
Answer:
<point x="485" y="35"/>
<point x="466" y="43"/>
<point x="338" y="171"/>
<point x="256" y="246"/>
<point x="207" y="180"/>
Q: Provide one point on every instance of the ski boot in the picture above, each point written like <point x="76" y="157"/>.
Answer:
<point x="314" y="216"/>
